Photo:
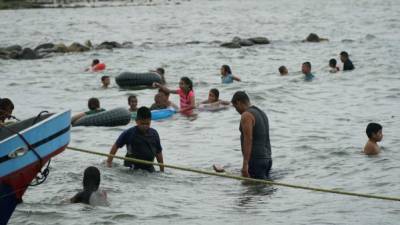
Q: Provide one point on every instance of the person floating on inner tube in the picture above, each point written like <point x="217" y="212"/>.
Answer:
<point x="96" y="66"/>
<point x="161" y="101"/>
<point x="186" y="95"/>
<point x="226" y="75"/>
<point x="94" y="107"/>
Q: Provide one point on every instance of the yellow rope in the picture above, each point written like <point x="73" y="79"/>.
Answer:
<point x="239" y="177"/>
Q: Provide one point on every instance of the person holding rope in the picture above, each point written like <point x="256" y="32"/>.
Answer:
<point x="142" y="142"/>
<point x="254" y="138"/>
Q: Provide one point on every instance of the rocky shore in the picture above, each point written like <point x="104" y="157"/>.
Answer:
<point x="49" y="49"/>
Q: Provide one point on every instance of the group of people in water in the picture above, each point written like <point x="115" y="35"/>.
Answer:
<point x="333" y="68"/>
<point x="143" y="142"/>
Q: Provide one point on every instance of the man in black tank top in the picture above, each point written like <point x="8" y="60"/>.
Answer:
<point x="254" y="138"/>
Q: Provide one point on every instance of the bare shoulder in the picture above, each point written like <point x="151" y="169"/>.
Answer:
<point x="371" y="148"/>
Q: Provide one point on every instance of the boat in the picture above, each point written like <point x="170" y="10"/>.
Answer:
<point x="25" y="148"/>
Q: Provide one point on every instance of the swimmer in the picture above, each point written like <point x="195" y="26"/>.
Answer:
<point x="132" y="102"/>
<point x="161" y="101"/>
<point x="6" y="109"/>
<point x="91" y="193"/>
<point x="332" y="66"/>
<point x="96" y="66"/>
<point x="374" y="133"/>
<point x="306" y="70"/>
<point x="347" y="63"/>
<point x="213" y="98"/>
<point x="226" y="75"/>
<point x="94" y="107"/>
<point x="283" y="70"/>
<point x="105" y="80"/>
<point x="186" y="95"/>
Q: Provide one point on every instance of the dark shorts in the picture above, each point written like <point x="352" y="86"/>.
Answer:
<point x="259" y="168"/>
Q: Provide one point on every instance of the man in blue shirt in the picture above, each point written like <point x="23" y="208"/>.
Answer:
<point x="142" y="142"/>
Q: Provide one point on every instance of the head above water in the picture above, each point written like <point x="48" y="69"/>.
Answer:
<point x="225" y="70"/>
<point x="332" y="63"/>
<point x="213" y="95"/>
<point x="143" y="119"/>
<point x="240" y="101"/>
<point x="95" y="62"/>
<point x="132" y="101"/>
<point x="91" y="179"/>
<point x="6" y="108"/>
<point x="283" y="70"/>
<point x="160" y="71"/>
<point x="306" y="68"/>
<point x="344" y="56"/>
<point x="105" y="80"/>
<point x="374" y="131"/>
<point x="186" y="84"/>
<point x="93" y="103"/>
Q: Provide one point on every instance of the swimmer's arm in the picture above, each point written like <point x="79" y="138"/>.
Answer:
<point x="247" y="123"/>
<point x="163" y="88"/>
<point x="222" y="102"/>
<point x="77" y="117"/>
<point x="160" y="159"/>
<point x="113" y="151"/>
<point x="236" y="78"/>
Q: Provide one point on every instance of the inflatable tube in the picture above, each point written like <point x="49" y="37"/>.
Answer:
<point x="162" y="113"/>
<point x="109" y="118"/>
<point x="99" y="67"/>
<point x="128" y="79"/>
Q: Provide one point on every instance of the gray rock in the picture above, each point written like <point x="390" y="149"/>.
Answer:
<point x="127" y="44"/>
<point x="231" y="45"/>
<point x="14" y="48"/>
<point x="259" y="40"/>
<point x="61" y="48"/>
<point x="77" y="47"/>
<point x="246" y="42"/>
<point x="4" y="54"/>
<point x="88" y="44"/>
<point x="44" y="46"/>
<point x="312" y="37"/>
<point x="236" y="39"/>
<point x="28" y="53"/>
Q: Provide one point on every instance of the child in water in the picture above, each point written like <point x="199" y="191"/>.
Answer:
<point x="374" y="133"/>
<point x="226" y="75"/>
<point x="132" y="102"/>
<point x="332" y="66"/>
<point x="186" y="95"/>
<point x="213" y="102"/>
<point x="161" y="101"/>
<point x="91" y="194"/>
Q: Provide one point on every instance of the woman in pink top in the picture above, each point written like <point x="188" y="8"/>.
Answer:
<point x="186" y="95"/>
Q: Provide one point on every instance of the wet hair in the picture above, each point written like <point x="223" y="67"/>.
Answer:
<point x="227" y="69"/>
<point x="164" y="92"/>
<point x="103" y="78"/>
<point x="95" y="62"/>
<point x="6" y="104"/>
<point x="143" y="113"/>
<point x="373" y="128"/>
<point x="93" y="103"/>
<point x="240" y="96"/>
<point x="160" y="71"/>
<point x="188" y="82"/>
<point x="215" y="92"/>
<point x="131" y="97"/>
<point x="91" y="179"/>
<point x="282" y="69"/>
<point x="307" y="64"/>
<point x="345" y="54"/>
<point x="332" y="62"/>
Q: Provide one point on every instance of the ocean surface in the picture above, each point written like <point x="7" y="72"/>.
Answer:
<point x="317" y="128"/>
